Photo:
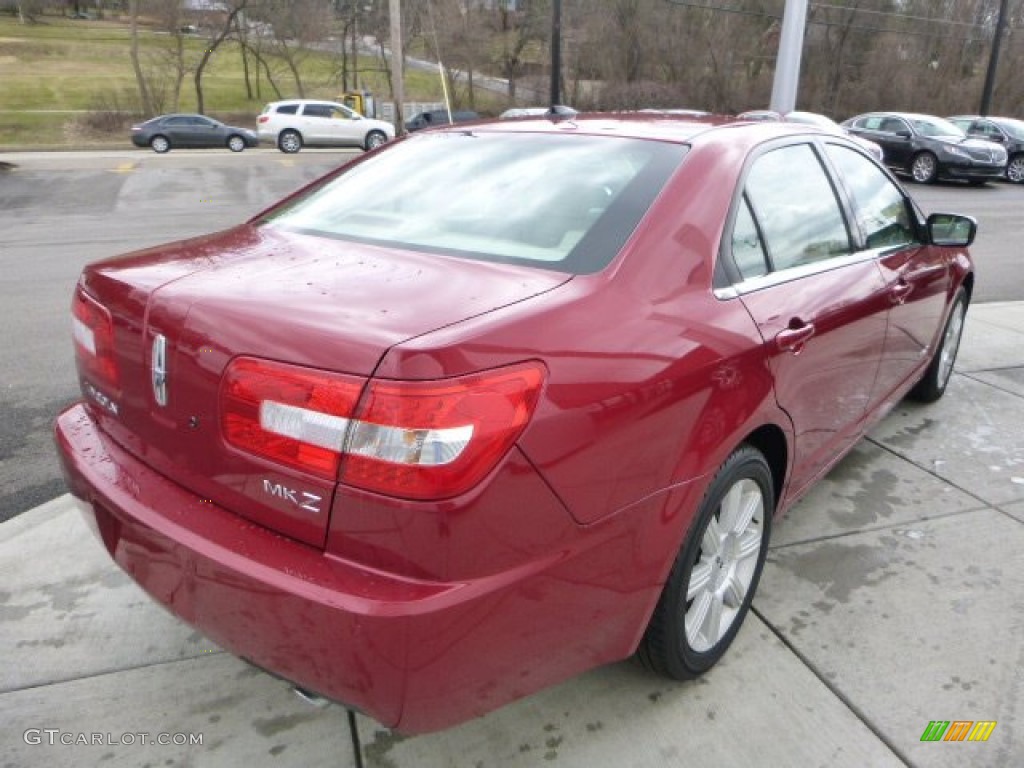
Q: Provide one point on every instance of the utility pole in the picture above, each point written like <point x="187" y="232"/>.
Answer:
<point x="397" y="59"/>
<point x="556" y="51"/>
<point x="787" y="61"/>
<point x="993" y="61"/>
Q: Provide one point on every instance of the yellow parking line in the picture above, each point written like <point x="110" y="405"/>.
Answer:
<point x="124" y="168"/>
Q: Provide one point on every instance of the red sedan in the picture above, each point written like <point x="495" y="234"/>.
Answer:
<point x="494" y="405"/>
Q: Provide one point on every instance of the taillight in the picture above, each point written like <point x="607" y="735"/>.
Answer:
<point x="412" y="439"/>
<point x="291" y="415"/>
<point x="435" y="439"/>
<point x="263" y="119"/>
<point x="93" y="331"/>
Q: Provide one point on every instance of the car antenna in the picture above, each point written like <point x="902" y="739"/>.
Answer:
<point x="559" y="112"/>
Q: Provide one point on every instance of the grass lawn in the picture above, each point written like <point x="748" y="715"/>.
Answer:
<point x="60" y="79"/>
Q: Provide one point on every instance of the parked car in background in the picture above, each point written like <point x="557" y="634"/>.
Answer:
<point x="513" y="112"/>
<point x="187" y="131"/>
<point x="437" y="117"/>
<point x="296" y="123"/>
<point x="556" y="111"/>
<point x="828" y="124"/>
<point x="929" y="148"/>
<point x="760" y="115"/>
<point x="1005" y="131"/>
<point x="425" y="454"/>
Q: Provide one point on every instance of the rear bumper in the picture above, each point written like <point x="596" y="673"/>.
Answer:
<point x="416" y="655"/>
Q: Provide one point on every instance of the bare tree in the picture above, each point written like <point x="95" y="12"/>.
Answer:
<point x="140" y="78"/>
<point x="220" y="34"/>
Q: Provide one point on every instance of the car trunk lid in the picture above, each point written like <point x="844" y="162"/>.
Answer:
<point x="181" y="314"/>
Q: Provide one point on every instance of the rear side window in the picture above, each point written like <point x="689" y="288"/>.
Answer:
<point x="747" y="250"/>
<point x="793" y="201"/>
<point x="288" y="109"/>
<point x="566" y="203"/>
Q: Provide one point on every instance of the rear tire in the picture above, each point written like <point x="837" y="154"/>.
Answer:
<point x="713" y="580"/>
<point x="289" y="142"/>
<point x="933" y="384"/>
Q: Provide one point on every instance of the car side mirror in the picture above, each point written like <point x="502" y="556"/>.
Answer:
<point x="951" y="229"/>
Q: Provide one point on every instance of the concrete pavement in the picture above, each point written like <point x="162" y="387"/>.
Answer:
<point x="893" y="596"/>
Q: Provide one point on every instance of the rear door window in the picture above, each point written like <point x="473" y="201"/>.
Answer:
<point x="799" y="214"/>
<point x="317" y="110"/>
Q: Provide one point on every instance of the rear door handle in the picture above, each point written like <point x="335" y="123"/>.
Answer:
<point x="794" y="339"/>
<point x="899" y="292"/>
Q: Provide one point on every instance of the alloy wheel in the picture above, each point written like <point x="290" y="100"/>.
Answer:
<point x="726" y="565"/>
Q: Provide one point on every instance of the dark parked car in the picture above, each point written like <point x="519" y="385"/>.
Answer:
<point x="426" y="454"/>
<point x="929" y="148"/>
<point x="190" y="132"/>
<point x="1002" y="130"/>
<point x="437" y="117"/>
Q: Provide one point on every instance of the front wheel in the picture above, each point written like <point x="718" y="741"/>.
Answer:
<point x="374" y="139"/>
<point x="160" y="144"/>
<point x="236" y="143"/>
<point x="1015" y="169"/>
<point x="924" y="168"/>
<point x="713" y="580"/>
<point x="933" y="384"/>
<point x="289" y="142"/>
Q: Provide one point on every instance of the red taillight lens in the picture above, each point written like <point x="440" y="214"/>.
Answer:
<point x="432" y="440"/>
<point x="263" y="119"/>
<point x="295" y="416"/>
<point x="417" y="440"/>
<point x="93" y="331"/>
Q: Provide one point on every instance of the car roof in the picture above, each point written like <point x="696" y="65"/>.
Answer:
<point x="304" y="101"/>
<point x="654" y="126"/>
<point x="906" y="115"/>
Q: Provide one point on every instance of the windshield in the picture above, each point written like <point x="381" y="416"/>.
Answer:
<point x="935" y="126"/>
<point x="563" y="202"/>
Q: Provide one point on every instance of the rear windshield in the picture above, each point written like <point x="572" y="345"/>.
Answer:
<point x="566" y="203"/>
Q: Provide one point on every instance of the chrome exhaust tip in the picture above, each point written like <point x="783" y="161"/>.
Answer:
<point x="313" y="699"/>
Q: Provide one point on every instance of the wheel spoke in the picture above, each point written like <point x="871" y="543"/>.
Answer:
<point x="711" y="543"/>
<point x="713" y="623"/>
<point x="700" y="577"/>
<point x="735" y="591"/>
<point x="696" y="617"/>
<point x="748" y="544"/>
<point x="752" y="506"/>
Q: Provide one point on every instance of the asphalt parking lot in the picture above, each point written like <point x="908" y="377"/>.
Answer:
<point x="892" y="596"/>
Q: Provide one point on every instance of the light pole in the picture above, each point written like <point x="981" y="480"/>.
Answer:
<point x="397" y="75"/>
<point x="556" y="51"/>
<point x="993" y="61"/>
<point x="787" y="61"/>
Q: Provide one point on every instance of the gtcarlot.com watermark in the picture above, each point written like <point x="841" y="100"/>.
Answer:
<point x="55" y="737"/>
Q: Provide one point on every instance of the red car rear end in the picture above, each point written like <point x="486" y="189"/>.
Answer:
<point x="426" y="457"/>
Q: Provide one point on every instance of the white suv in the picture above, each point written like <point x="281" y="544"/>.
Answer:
<point x="310" y="122"/>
